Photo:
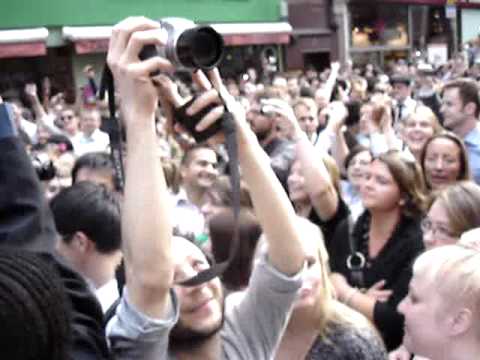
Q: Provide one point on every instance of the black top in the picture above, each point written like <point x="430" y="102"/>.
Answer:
<point x="393" y="264"/>
<point x="328" y="227"/>
<point x="26" y="222"/>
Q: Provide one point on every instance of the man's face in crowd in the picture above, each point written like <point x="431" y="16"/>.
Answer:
<point x="201" y="170"/>
<point x="69" y="121"/>
<point x="90" y="121"/>
<point x="202" y="306"/>
<point x="400" y="91"/>
<point x="453" y="109"/>
<point x="98" y="176"/>
<point x="261" y="124"/>
<point x="307" y="119"/>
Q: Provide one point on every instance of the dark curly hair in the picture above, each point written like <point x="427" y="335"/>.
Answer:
<point x="34" y="309"/>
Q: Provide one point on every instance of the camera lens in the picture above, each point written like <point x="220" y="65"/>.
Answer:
<point x="201" y="47"/>
<point x="207" y="48"/>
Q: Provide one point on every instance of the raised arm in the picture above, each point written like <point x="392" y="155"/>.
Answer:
<point x="272" y="206"/>
<point x="318" y="183"/>
<point x="332" y="79"/>
<point x="41" y="117"/>
<point x="146" y="225"/>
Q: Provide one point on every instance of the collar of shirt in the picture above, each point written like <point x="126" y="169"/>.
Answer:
<point x="180" y="198"/>
<point x="107" y="294"/>
<point x="473" y="137"/>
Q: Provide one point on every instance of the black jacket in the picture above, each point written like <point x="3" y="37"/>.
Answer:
<point x="393" y="264"/>
<point x="26" y="222"/>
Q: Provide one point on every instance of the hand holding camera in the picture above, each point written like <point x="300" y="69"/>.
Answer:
<point x="286" y="118"/>
<point x="132" y="76"/>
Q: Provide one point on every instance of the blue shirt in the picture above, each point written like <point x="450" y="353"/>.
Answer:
<point x="472" y="143"/>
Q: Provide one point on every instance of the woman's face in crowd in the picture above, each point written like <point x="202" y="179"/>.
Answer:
<point x="358" y="167"/>
<point x="380" y="191"/>
<point x="296" y="183"/>
<point x="309" y="292"/>
<point x="416" y="133"/>
<point x="436" y="227"/>
<point x="442" y="163"/>
<point x="425" y="320"/>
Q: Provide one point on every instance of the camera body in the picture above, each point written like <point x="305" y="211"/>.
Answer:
<point x="43" y="166"/>
<point x="189" y="46"/>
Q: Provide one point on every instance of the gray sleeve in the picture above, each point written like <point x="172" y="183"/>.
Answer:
<point x="133" y="335"/>
<point x="254" y="327"/>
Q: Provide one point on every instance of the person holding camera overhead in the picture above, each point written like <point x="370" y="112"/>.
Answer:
<point x="157" y="317"/>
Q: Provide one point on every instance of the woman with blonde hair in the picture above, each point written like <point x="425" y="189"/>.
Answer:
<point x="442" y="309"/>
<point x="321" y="327"/>
<point x="420" y="126"/>
<point x="314" y="179"/>
<point x="455" y="211"/>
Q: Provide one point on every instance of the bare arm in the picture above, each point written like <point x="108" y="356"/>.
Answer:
<point x="272" y="206"/>
<point x="332" y="79"/>
<point x="146" y="225"/>
<point x="318" y="183"/>
<point x="42" y="118"/>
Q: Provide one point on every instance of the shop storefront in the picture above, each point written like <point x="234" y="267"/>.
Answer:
<point x="58" y="40"/>
<point x="387" y="30"/>
<point x="470" y="18"/>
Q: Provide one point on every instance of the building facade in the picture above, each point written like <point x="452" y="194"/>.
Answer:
<point x="314" y="37"/>
<point x="57" y="38"/>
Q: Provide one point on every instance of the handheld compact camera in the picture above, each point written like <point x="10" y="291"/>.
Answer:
<point x="189" y="46"/>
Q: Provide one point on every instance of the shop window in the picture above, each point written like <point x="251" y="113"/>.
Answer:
<point x="379" y="25"/>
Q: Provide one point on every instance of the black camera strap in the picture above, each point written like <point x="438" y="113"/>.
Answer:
<point x="226" y="125"/>
<point x="116" y="148"/>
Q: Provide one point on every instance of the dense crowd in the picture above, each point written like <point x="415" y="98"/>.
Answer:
<point x="357" y="231"/>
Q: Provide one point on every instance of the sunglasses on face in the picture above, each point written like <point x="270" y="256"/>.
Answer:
<point x="67" y="117"/>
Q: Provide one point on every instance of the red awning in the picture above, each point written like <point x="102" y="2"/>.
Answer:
<point x="94" y="39"/>
<point x="23" y="43"/>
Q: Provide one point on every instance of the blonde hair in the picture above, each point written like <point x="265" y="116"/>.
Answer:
<point x="309" y="103"/>
<point x="455" y="273"/>
<point x="328" y="312"/>
<point x="333" y="170"/>
<point x="461" y="201"/>
<point x="424" y="112"/>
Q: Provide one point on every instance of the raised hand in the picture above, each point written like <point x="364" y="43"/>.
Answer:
<point x="31" y="90"/>
<point x="139" y="96"/>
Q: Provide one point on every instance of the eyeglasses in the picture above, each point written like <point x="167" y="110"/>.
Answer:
<point x="441" y="231"/>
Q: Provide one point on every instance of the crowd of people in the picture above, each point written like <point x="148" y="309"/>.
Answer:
<point x="357" y="230"/>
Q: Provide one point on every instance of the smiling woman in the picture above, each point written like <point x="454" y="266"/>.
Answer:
<point x="419" y="127"/>
<point x="444" y="161"/>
